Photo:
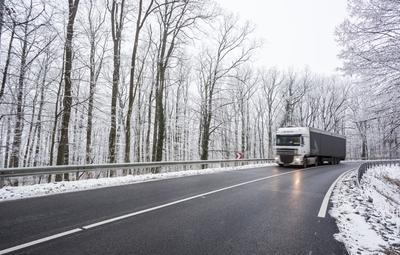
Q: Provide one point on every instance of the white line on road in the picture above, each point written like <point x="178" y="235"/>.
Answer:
<point x="42" y="240"/>
<point x="45" y="239"/>
<point x="325" y="202"/>
<point x="181" y="200"/>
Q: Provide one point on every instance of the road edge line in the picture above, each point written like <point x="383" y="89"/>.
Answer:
<point x="325" y="202"/>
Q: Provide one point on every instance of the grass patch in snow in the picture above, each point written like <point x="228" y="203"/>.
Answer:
<point x="368" y="215"/>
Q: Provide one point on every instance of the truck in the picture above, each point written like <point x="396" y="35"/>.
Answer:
<point x="305" y="146"/>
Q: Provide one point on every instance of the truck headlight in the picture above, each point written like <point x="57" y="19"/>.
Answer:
<point x="276" y="158"/>
<point x="297" y="159"/>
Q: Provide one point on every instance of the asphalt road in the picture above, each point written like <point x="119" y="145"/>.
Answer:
<point x="268" y="210"/>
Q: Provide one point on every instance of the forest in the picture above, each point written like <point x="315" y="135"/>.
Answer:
<point x="92" y="81"/>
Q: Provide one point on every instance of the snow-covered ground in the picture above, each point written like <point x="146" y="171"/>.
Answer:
<point x="368" y="215"/>
<point x="11" y="193"/>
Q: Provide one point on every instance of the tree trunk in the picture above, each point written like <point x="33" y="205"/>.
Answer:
<point x="39" y="122"/>
<point x="63" y="147"/>
<point x="138" y="128"/>
<point x="177" y="140"/>
<point x="113" y="128"/>
<point x="148" y="158"/>
<point x="116" y="27"/>
<point x="132" y="88"/>
<point x="1" y="17"/>
<point x="7" y="64"/>
<point x="205" y="136"/>
<point x="92" y="82"/>
<point x="31" y="125"/>
<point x="160" y="116"/>
<point x="155" y="125"/>
<point x="16" y="146"/>
<point x="7" y="145"/>
<point x="75" y="146"/>
<point x="54" y="131"/>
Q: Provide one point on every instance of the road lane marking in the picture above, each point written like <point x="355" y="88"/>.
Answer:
<point x="182" y="200"/>
<point x="325" y="202"/>
<point x="42" y="240"/>
<point x="45" y="239"/>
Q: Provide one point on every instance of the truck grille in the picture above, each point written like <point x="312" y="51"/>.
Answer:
<point x="286" y="151"/>
<point x="286" y="159"/>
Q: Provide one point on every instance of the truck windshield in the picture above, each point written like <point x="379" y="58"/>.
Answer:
<point x="288" y="140"/>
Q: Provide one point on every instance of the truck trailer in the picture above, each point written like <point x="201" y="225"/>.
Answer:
<point x="304" y="146"/>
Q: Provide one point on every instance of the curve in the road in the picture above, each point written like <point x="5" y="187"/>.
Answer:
<point x="185" y="189"/>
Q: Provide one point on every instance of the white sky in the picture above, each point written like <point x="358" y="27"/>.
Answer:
<point x="296" y="33"/>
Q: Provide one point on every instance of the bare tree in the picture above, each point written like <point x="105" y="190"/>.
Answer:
<point x="12" y="28"/>
<point x="294" y="90"/>
<point x="38" y="126"/>
<point x="2" y="9"/>
<point x="7" y="142"/>
<point x="244" y="87"/>
<point x="140" y="21"/>
<point x="117" y="11"/>
<point x="173" y="18"/>
<point x="271" y="83"/>
<point x="56" y="113"/>
<point x="29" y="39"/>
<point x="370" y="39"/>
<point x="93" y="30"/>
<point x="63" y="149"/>
<point x="31" y="136"/>
<point x="231" y="49"/>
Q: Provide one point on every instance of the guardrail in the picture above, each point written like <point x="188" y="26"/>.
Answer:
<point x="41" y="170"/>
<point x="367" y="165"/>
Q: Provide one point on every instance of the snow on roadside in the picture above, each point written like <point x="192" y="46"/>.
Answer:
<point x="37" y="190"/>
<point x="368" y="215"/>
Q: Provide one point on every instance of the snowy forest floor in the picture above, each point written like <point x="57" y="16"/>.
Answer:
<point x="368" y="214"/>
<point x="37" y="190"/>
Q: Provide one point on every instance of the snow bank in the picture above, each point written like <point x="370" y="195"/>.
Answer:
<point x="368" y="215"/>
<point x="11" y="193"/>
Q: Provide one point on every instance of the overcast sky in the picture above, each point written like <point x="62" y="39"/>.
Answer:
<point x="296" y="33"/>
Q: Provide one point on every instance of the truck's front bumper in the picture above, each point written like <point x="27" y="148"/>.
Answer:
<point x="292" y="160"/>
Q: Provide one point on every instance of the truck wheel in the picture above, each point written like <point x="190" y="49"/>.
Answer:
<point x="280" y="165"/>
